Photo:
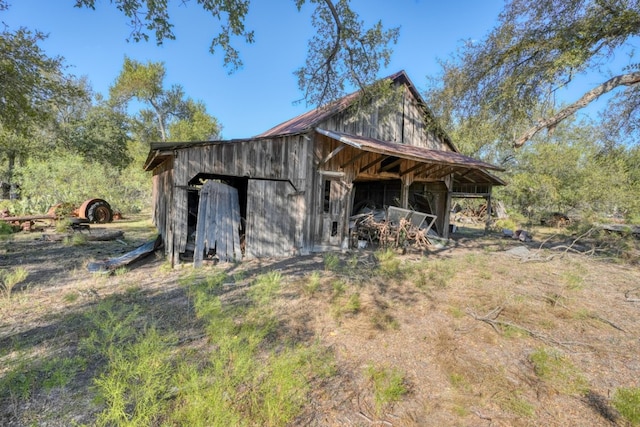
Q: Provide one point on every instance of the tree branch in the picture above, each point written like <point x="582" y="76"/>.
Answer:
<point x="550" y="122"/>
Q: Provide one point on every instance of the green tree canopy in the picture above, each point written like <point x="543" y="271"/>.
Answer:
<point x="195" y="125"/>
<point x="30" y="82"/>
<point x="169" y="109"/>
<point x="512" y="77"/>
<point x="342" y="54"/>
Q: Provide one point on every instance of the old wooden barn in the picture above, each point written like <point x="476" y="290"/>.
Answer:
<point x="294" y="187"/>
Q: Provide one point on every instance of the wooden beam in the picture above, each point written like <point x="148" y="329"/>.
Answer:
<point x="331" y="155"/>
<point x="443" y="172"/>
<point x="354" y="159"/>
<point x="428" y="169"/>
<point x="373" y="163"/>
<point x="465" y="178"/>
<point x="413" y="168"/>
<point x="391" y="165"/>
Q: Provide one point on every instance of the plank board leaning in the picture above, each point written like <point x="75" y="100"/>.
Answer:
<point x="218" y="223"/>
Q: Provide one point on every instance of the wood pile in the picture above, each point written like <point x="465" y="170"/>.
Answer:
<point x="471" y="215"/>
<point x="388" y="235"/>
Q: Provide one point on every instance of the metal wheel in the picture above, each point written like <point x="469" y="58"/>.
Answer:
<point x="100" y="212"/>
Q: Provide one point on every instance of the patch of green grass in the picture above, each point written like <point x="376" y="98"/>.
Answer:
<point x="485" y="275"/>
<point x="456" y="312"/>
<point x="331" y="261"/>
<point x="516" y="404"/>
<point x="110" y="325"/>
<point x="76" y="239"/>
<point x="338" y="287"/>
<point x="572" y="280"/>
<point x="63" y="225"/>
<point x="135" y="382"/>
<point x="389" y="385"/>
<point x="460" y="411"/>
<point x="120" y="271"/>
<point x="265" y="287"/>
<point x="311" y="284"/>
<point x="459" y="381"/>
<point x="558" y="371"/>
<point x="627" y="402"/>
<point x="166" y="267"/>
<point x="31" y="375"/>
<point x="388" y="263"/>
<point x="351" y="306"/>
<point x="9" y="280"/>
<point x="5" y="228"/>
<point x="71" y="297"/>
<point x="440" y="273"/>
<point x="245" y="381"/>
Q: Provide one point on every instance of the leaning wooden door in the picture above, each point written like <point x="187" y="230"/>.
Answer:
<point x="272" y="219"/>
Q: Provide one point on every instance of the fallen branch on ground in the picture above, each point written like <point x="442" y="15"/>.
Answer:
<point x="492" y="316"/>
<point x="627" y="296"/>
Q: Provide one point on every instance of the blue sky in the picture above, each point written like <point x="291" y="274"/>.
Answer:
<point x="262" y="94"/>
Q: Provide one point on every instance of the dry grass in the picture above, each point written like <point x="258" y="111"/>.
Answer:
<point x="478" y="337"/>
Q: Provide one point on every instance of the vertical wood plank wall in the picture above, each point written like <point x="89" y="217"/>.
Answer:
<point x="285" y="160"/>
<point x="407" y="126"/>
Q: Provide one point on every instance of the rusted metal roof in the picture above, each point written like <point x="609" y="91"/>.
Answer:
<point x="410" y="152"/>
<point x="310" y="119"/>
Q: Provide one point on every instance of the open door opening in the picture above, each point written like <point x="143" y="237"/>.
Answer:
<point x="193" y="203"/>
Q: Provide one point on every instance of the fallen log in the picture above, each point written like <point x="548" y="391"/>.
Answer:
<point x="26" y="218"/>
<point x="102" y="237"/>
<point x="621" y="228"/>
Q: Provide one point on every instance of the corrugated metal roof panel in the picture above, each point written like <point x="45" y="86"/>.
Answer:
<point x="411" y="152"/>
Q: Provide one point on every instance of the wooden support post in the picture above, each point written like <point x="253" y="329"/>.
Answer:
<point x="487" y="223"/>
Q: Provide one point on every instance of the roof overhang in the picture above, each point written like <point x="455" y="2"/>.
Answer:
<point x="465" y="165"/>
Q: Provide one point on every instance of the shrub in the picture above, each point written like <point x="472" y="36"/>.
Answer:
<point x="627" y="402"/>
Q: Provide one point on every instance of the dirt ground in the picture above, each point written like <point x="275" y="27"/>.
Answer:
<point x="462" y="322"/>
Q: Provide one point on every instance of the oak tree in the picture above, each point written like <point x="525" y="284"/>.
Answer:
<point x="512" y="77"/>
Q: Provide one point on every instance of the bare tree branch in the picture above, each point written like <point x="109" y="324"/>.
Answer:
<point x="550" y="122"/>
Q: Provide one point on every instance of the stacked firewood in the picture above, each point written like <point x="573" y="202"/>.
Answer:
<point x="389" y="235"/>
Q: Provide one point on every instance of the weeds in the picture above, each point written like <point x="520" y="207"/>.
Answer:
<point x="389" y="263"/>
<point x="76" y="239"/>
<point x="9" y="280"/>
<point x="136" y="381"/>
<point x="558" y="371"/>
<point x="311" y="284"/>
<point x="28" y="376"/>
<point x="627" y="402"/>
<point x="63" y="225"/>
<point x="5" y="228"/>
<point x="514" y="403"/>
<point x="244" y="381"/>
<point x="351" y="306"/>
<point x="432" y="274"/>
<point x="331" y="261"/>
<point x="389" y="385"/>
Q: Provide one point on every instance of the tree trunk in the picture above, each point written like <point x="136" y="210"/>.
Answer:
<point x="550" y="122"/>
<point x="13" y="187"/>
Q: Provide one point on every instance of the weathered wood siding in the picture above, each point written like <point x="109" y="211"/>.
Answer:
<point x="162" y="192"/>
<point x="407" y="125"/>
<point x="286" y="159"/>
<point x="274" y="219"/>
<point x="218" y="223"/>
